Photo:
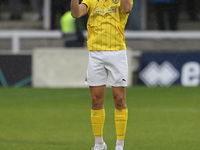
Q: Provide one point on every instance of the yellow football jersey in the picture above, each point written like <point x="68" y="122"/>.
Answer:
<point x="106" y="25"/>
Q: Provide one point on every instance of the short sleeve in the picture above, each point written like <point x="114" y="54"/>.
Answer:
<point x="87" y="3"/>
<point x="132" y="2"/>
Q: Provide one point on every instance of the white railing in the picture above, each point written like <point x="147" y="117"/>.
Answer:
<point x="17" y="35"/>
<point x="162" y="34"/>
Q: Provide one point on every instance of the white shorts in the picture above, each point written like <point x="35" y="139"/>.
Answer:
<point x="111" y="65"/>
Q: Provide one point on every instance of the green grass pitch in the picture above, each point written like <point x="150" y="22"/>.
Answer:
<point x="59" y="119"/>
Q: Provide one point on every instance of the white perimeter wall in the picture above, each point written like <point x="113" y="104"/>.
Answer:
<point x="61" y="67"/>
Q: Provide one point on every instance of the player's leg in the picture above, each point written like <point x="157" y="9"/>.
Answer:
<point x="118" y="78"/>
<point x="121" y="114"/>
<point x="96" y="79"/>
<point x="98" y="116"/>
<point x="119" y="96"/>
<point x="97" y="96"/>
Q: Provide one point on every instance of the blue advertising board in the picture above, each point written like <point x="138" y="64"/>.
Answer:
<point x="168" y="68"/>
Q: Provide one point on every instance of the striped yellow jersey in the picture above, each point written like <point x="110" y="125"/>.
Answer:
<point x="106" y="25"/>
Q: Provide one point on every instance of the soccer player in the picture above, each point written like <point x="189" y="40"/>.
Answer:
<point x="107" y="60"/>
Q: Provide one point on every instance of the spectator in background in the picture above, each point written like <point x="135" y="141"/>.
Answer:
<point x="72" y="30"/>
<point x="37" y="9"/>
<point x="192" y="10"/>
<point x="15" y="9"/>
<point x="171" y="7"/>
<point x="58" y="7"/>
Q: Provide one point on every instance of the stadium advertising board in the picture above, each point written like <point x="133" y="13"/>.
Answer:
<point x="169" y="68"/>
<point x="15" y="70"/>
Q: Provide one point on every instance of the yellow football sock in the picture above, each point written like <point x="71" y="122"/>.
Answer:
<point x="121" y="117"/>
<point x="98" y="118"/>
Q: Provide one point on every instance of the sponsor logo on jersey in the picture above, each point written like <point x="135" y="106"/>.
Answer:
<point x="108" y="11"/>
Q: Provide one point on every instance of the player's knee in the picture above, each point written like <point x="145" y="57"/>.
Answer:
<point x="120" y="102"/>
<point x="97" y="102"/>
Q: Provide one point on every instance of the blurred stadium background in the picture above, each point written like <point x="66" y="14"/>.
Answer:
<point x="172" y="54"/>
<point x="35" y="60"/>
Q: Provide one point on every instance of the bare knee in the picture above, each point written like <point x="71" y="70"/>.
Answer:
<point x="97" y="103"/>
<point x="97" y="95"/>
<point x="120" y="102"/>
<point x="119" y="96"/>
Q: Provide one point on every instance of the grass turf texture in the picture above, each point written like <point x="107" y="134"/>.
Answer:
<point x="59" y="119"/>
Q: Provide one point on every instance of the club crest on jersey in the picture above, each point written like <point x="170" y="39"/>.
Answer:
<point x="115" y="1"/>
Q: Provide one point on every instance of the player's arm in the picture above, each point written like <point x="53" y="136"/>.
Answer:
<point x="78" y="10"/>
<point x="126" y="6"/>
